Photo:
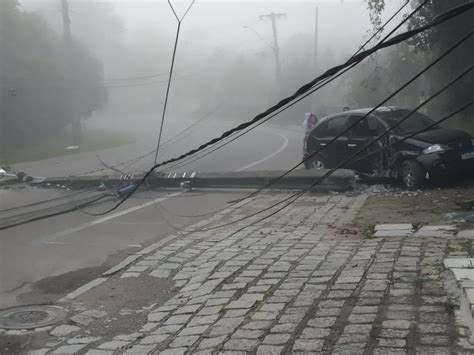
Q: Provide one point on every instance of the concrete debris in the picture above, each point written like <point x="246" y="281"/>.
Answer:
<point x="465" y="216"/>
<point x="445" y="231"/>
<point x="393" y="230"/>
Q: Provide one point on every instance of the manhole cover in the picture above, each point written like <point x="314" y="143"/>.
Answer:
<point x="29" y="317"/>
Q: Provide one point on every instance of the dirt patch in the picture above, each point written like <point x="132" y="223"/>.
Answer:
<point x="124" y="301"/>
<point x="428" y="207"/>
<point x="50" y="289"/>
<point x="19" y="345"/>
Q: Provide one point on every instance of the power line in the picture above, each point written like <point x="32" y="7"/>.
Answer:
<point x="434" y="124"/>
<point x="329" y="80"/>
<point x="413" y="79"/>
<point x="178" y="29"/>
<point x="172" y="140"/>
<point x="304" y="89"/>
<point x="297" y="195"/>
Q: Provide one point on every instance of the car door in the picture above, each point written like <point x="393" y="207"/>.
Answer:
<point x="369" y="159"/>
<point x="334" y="152"/>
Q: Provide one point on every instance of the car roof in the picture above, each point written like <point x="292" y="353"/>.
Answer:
<point x="362" y="111"/>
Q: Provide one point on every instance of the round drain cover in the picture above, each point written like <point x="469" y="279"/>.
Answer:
<point x="30" y="317"/>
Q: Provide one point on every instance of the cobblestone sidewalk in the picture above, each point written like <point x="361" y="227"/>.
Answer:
<point x="288" y="285"/>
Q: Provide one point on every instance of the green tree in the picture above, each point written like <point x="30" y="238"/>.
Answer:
<point x="432" y="43"/>
<point x="36" y="99"/>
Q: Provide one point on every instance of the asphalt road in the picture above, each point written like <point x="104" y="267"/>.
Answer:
<point x="268" y="147"/>
<point x="41" y="261"/>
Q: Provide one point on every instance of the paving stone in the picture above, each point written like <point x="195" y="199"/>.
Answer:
<point x="212" y="342"/>
<point x="113" y="345"/>
<point x="315" y="333"/>
<point x="427" y="350"/>
<point x="350" y="338"/>
<point x="175" y="351"/>
<point x="89" y="352"/>
<point x="394" y="333"/>
<point x="358" y="328"/>
<point x="270" y="350"/>
<point x="179" y="319"/>
<point x="434" y="340"/>
<point x="396" y="324"/>
<point x="240" y="344"/>
<point x="198" y="330"/>
<point x="248" y="334"/>
<point x="69" y="349"/>
<point x="365" y="309"/>
<point x="392" y="342"/>
<point x="257" y="325"/>
<point x="308" y="345"/>
<point x="214" y="310"/>
<point x="182" y="341"/>
<point x="225" y="326"/>
<point x="246" y="301"/>
<point x="389" y="351"/>
<point x="265" y="315"/>
<point x="187" y="309"/>
<point x="83" y="340"/>
<point x="458" y="263"/>
<point x="362" y="318"/>
<point x="157" y="316"/>
<point x="168" y="329"/>
<point x="162" y="274"/>
<point x="276" y="339"/>
<point x="322" y="322"/>
<point x="236" y="313"/>
<point x="284" y="328"/>
<point x="437" y="328"/>
<point x="64" y="330"/>
<point x="272" y="307"/>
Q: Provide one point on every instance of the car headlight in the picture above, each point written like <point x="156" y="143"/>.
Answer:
<point x="435" y="148"/>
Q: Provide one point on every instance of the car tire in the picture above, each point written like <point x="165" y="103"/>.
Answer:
<point x="317" y="163"/>
<point x="413" y="175"/>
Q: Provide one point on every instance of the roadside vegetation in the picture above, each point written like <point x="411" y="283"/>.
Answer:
<point x="93" y="140"/>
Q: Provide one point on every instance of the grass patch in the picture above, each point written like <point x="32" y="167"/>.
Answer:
<point x="94" y="139"/>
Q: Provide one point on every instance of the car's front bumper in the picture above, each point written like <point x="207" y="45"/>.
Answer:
<point x="450" y="163"/>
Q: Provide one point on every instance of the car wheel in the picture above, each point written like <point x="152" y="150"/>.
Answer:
<point x="317" y="163"/>
<point x="413" y="175"/>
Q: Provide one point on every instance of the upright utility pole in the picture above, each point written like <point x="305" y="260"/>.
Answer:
<point x="69" y="67"/>
<point x="316" y="27"/>
<point x="276" y="48"/>
<point x="3" y="95"/>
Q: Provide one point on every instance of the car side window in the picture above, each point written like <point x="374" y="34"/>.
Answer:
<point x="336" y="126"/>
<point x="368" y="127"/>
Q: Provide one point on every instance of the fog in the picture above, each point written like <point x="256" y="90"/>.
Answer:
<point x="225" y="68"/>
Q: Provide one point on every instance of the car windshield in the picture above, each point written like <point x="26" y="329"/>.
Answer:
<point x="416" y="122"/>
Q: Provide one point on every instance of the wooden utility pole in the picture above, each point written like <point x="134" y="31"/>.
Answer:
<point x="316" y="26"/>
<point x="69" y="67"/>
<point x="3" y="91"/>
<point x="276" y="48"/>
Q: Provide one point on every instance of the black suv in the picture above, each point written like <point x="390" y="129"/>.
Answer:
<point x="431" y="154"/>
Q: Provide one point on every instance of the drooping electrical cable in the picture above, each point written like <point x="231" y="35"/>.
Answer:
<point x="173" y="59"/>
<point x="304" y="89"/>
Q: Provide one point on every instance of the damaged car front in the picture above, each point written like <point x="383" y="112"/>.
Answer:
<point x="435" y="153"/>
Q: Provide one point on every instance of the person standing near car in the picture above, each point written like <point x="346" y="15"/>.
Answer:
<point x="309" y="123"/>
